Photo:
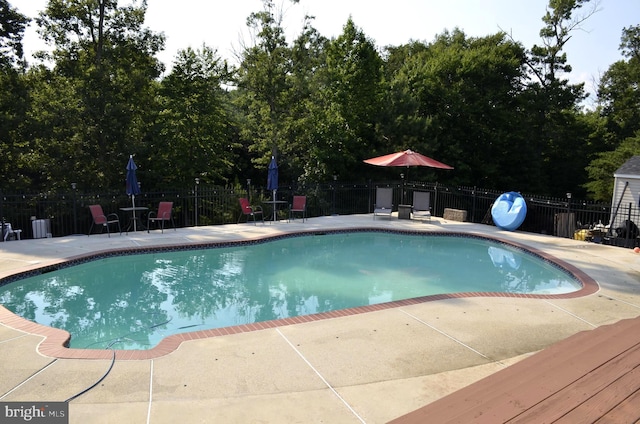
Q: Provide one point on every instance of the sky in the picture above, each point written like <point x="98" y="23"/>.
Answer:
<point x="222" y="24"/>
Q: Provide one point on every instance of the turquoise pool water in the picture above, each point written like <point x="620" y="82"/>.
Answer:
<point x="134" y="301"/>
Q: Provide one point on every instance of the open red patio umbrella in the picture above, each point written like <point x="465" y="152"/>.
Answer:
<point x="407" y="158"/>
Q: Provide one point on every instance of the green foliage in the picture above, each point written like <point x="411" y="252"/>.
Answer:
<point x="12" y="26"/>
<point x="194" y="122"/>
<point x="454" y="100"/>
<point x="104" y="74"/>
<point x="630" y="43"/>
<point x="13" y="111"/>
<point x="559" y="141"/>
<point x="13" y="93"/>
<point x="619" y="91"/>
<point x="618" y="115"/>
<point x="505" y="117"/>
<point x="308" y="54"/>
<point x="350" y="103"/>
<point x="262" y="83"/>
<point x="602" y="168"/>
<point x="54" y="131"/>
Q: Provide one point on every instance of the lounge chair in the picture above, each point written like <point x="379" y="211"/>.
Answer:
<point x="421" y="205"/>
<point x="384" y="202"/>
<point x="163" y="215"/>
<point x="299" y="205"/>
<point x="99" y="218"/>
<point x="249" y="210"/>
<point x="10" y="233"/>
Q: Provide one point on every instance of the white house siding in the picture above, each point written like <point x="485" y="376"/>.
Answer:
<point x="629" y="196"/>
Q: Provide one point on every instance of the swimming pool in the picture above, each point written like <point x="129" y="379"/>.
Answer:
<point x="134" y="301"/>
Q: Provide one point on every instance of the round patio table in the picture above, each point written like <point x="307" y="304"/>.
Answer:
<point x="274" y="205"/>
<point x="135" y="218"/>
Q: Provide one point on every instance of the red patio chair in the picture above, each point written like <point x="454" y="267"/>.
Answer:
<point x="299" y="205"/>
<point x="99" y="218"/>
<point x="163" y="215"/>
<point x="249" y="210"/>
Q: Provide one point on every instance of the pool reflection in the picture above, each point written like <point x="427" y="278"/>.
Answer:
<point x="522" y="275"/>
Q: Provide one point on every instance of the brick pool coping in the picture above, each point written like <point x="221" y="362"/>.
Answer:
<point x="55" y="341"/>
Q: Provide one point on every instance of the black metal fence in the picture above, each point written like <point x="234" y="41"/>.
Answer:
<point x="66" y="213"/>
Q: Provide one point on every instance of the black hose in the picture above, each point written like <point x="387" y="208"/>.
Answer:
<point x="113" y="361"/>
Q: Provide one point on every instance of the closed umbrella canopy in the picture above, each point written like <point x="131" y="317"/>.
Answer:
<point x="132" y="185"/>
<point x="132" y="180"/>
<point x="272" y="182"/>
<point x="272" y="176"/>
<point x="407" y="158"/>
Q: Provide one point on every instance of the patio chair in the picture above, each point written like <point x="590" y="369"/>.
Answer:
<point x="299" y="205"/>
<point x="384" y="202"/>
<point x="10" y="233"/>
<point x="163" y="215"/>
<point x="421" y="204"/>
<point x="99" y="218"/>
<point x="249" y="210"/>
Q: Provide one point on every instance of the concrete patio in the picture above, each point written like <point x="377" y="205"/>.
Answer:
<point x="368" y="368"/>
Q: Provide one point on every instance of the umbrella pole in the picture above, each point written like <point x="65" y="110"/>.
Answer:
<point x="435" y="200"/>
<point x="274" y="206"/>
<point x="403" y="186"/>
<point x="133" y="203"/>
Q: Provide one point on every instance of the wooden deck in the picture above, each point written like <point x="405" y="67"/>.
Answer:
<point x="593" y="376"/>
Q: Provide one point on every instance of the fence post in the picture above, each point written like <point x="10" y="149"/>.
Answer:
<point x="435" y="198"/>
<point x="195" y="206"/>
<point x="1" y="216"/>
<point x="569" y="215"/>
<point x="75" y="213"/>
<point x="333" y="197"/>
<point x="628" y="227"/>
<point x="369" y="190"/>
<point x="473" y="205"/>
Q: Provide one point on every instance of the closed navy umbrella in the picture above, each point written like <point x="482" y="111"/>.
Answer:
<point x="272" y="176"/>
<point x="132" y="184"/>
<point x="272" y="181"/>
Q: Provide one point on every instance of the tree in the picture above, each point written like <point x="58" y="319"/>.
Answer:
<point x="546" y="62"/>
<point x="308" y="58"/>
<point x="618" y="117"/>
<point x="262" y="84"/>
<point x="195" y="138"/>
<point x="604" y="165"/>
<point x="553" y="102"/>
<point x="619" y="92"/>
<point x="12" y="26"/>
<point x="350" y="104"/>
<point x="14" y="94"/>
<point x="106" y="57"/>
<point x="457" y="100"/>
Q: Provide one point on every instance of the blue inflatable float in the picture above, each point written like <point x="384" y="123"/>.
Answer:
<point x="509" y="210"/>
